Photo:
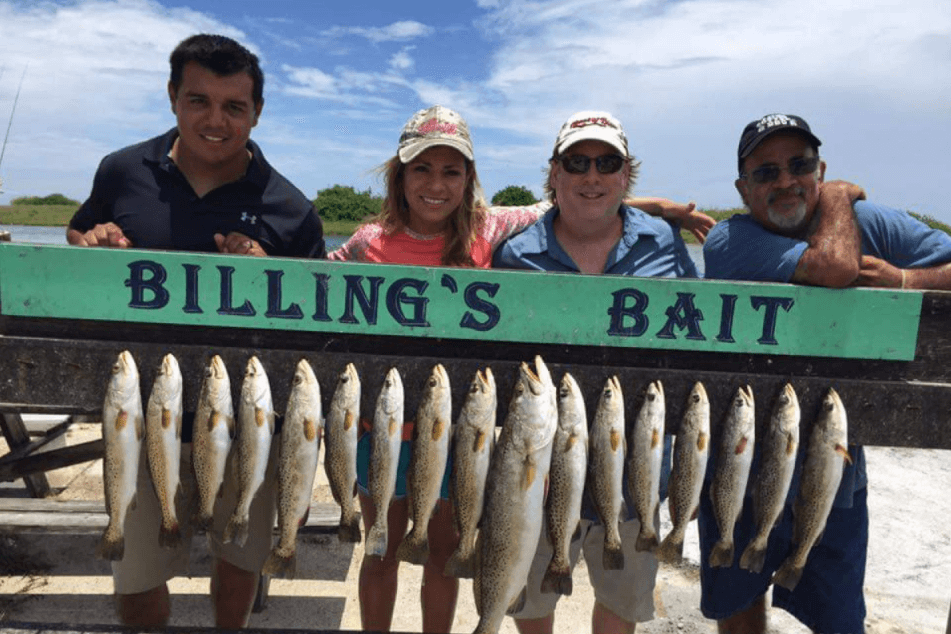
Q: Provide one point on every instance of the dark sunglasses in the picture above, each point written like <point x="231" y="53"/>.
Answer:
<point x="799" y="166"/>
<point x="579" y="163"/>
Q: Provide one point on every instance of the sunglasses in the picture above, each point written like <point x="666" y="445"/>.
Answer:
<point x="799" y="166"/>
<point x="579" y="163"/>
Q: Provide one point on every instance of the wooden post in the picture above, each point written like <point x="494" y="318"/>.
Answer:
<point x="15" y="432"/>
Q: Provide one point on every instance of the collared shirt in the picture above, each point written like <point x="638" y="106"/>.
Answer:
<point x="142" y="190"/>
<point x="739" y="248"/>
<point x="649" y="247"/>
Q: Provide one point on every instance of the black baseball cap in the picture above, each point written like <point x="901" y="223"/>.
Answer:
<point x="757" y="131"/>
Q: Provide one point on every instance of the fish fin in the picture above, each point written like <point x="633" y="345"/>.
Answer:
<point x="166" y="418"/>
<point x="671" y="550"/>
<point x="528" y="472"/>
<point x="170" y="536"/>
<point x="460" y="564"/>
<point x="414" y="548"/>
<point x="741" y="445"/>
<point x="655" y="438"/>
<point x="842" y="451"/>
<point x="391" y="425"/>
<point x="279" y="565"/>
<point x="110" y="548"/>
<point x="646" y="543"/>
<point x="722" y="554"/>
<point x="348" y="419"/>
<point x="702" y="440"/>
<point x="376" y="540"/>
<point x="236" y="531"/>
<point x="518" y="603"/>
<point x="310" y="429"/>
<point x="349" y="531"/>
<point x="557" y="581"/>
<point x="122" y="419"/>
<point x="178" y="426"/>
<point x="612" y="558"/>
<point x="791" y="445"/>
<point x="260" y="417"/>
<point x="439" y="426"/>
<point x="572" y="439"/>
<point x="753" y="557"/>
<point x="616" y="439"/>
<point x="788" y="575"/>
<point x="479" y="441"/>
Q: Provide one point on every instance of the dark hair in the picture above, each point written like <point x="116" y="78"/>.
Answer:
<point x="222" y="56"/>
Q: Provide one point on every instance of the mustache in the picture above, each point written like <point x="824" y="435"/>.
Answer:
<point x="789" y="191"/>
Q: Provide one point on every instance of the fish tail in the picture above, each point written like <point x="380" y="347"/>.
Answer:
<point x="646" y="541"/>
<point x="202" y="522"/>
<point x="349" y="529"/>
<point x="279" y="564"/>
<point x="461" y="564"/>
<point x="170" y="535"/>
<point x="671" y="550"/>
<point x="754" y="556"/>
<point x="613" y="557"/>
<point x="414" y="548"/>
<point x="557" y="580"/>
<point x="722" y="554"/>
<point x="236" y="531"/>
<point x="111" y="546"/>
<point x="788" y="575"/>
<point x="376" y="540"/>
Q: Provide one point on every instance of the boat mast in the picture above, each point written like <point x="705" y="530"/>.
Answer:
<point x="10" y="122"/>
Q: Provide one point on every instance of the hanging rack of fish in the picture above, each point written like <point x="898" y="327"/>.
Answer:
<point x="585" y="375"/>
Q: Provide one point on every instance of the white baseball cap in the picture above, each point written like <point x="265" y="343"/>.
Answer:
<point x="591" y="125"/>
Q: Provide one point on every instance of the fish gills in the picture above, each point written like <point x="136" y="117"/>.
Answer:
<point x="163" y="440"/>
<point x="771" y="483"/>
<point x="212" y="435"/>
<point x="255" y="430"/>
<point x="732" y="473"/>
<point x="340" y="459"/>
<point x="427" y="464"/>
<point x="691" y="453"/>
<point x="511" y="524"/>
<point x="472" y="444"/>
<point x="297" y="467"/>
<point x="826" y="456"/>
<point x="569" y="462"/>
<point x="122" y="429"/>
<point x="387" y="434"/>
<point x="607" y="451"/>
<point x="644" y="463"/>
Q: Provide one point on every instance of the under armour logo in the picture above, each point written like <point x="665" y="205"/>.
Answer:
<point x="250" y="219"/>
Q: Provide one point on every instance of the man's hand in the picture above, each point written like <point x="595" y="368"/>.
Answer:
<point x="108" y="235"/>
<point x="696" y="222"/>
<point x="876" y="272"/>
<point x="853" y="191"/>
<point x="239" y="244"/>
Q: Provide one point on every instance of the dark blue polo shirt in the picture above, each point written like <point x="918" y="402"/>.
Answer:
<point x="141" y="189"/>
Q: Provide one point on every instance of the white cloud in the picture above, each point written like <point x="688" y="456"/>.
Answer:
<point x="398" y="31"/>
<point x="403" y="61"/>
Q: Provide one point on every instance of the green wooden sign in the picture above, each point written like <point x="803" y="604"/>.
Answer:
<point x="454" y="303"/>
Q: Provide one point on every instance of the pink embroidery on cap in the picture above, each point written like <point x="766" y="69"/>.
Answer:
<point x="601" y="121"/>
<point x="434" y="125"/>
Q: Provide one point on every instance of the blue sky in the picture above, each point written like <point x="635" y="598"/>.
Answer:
<point x="684" y="77"/>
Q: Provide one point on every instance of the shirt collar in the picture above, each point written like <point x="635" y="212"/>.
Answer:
<point x="540" y="237"/>
<point x="259" y="169"/>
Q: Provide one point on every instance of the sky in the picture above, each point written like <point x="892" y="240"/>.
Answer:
<point x="873" y="79"/>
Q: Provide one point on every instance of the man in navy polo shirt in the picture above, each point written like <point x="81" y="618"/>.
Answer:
<point x="201" y="186"/>
<point x="789" y="236"/>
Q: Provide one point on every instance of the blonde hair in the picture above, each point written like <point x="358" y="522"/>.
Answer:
<point x="464" y="223"/>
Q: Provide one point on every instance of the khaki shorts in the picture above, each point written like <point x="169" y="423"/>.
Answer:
<point x="628" y="593"/>
<point x="146" y="565"/>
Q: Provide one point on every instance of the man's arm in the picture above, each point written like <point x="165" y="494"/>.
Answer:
<point x="696" y="222"/>
<point x="878" y="272"/>
<point x="834" y="243"/>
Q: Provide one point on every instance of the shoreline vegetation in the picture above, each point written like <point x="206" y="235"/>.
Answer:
<point x="47" y="215"/>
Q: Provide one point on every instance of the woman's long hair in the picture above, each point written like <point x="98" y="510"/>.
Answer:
<point x="464" y="223"/>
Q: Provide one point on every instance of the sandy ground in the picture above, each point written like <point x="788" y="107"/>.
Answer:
<point x="56" y="579"/>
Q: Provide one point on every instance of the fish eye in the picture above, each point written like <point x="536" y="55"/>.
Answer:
<point x="432" y="381"/>
<point x="696" y="398"/>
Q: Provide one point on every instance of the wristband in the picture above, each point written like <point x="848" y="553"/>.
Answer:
<point x="902" y="278"/>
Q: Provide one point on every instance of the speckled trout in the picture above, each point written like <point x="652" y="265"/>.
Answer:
<point x="644" y="456"/>
<point x="826" y="456"/>
<point x="511" y="524"/>
<point x="212" y="434"/>
<point x="732" y="473"/>
<point x="691" y="453"/>
<point x="472" y="444"/>
<point x="340" y="447"/>
<point x="122" y="432"/>
<point x="569" y="462"/>
<point x="163" y="441"/>
<point x="427" y="464"/>
<point x="607" y="450"/>
<point x="296" y="467"/>
<point x="387" y="435"/>
<point x="771" y="482"/>
<point x="255" y="431"/>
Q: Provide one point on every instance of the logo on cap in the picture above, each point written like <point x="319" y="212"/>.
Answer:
<point x="772" y="120"/>
<point x="435" y="125"/>
<point x="601" y="121"/>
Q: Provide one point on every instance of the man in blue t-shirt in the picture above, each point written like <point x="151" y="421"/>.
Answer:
<point x="786" y="237"/>
<point x="590" y="230"/>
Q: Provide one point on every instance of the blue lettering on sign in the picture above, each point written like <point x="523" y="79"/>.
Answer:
<point x="227" y="299"/>
<point x="274" y="299"/>
<point x="320" y="297"/>
<point x="191" y="289"/>
<point x="726" y="319"/>
<point x="396" y="299"/>
<point x="685" y="316"/>
<point x="140" y="285"/>
<point x="620" y="310"/>
<point x="473" y="301"/>
<point x="368" y="304"/>
<point x="772" y="304"/>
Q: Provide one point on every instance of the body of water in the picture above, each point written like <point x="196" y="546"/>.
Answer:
<point x="57" y="235"/>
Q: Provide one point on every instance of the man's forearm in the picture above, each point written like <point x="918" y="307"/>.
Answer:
<point x="834" y="253"/>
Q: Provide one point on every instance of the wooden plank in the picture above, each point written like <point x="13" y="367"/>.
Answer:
<point x="23" y="515"/>
<point x="15" y="433"/>
<point x="47" y="436"/>
<point x="47" y="461"/>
